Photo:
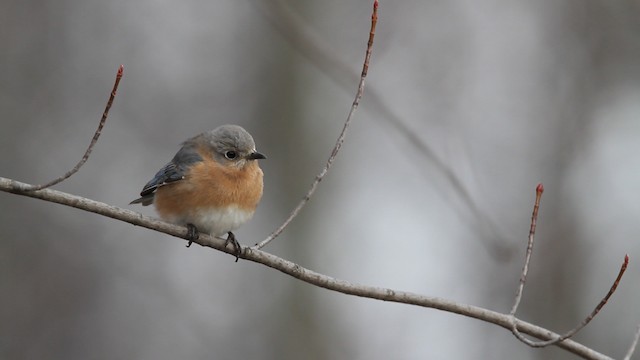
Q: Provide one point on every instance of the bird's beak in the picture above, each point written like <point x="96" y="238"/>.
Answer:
<point x="256" y="155"/>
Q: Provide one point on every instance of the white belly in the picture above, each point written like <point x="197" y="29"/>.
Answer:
<point x="215" y="221"/>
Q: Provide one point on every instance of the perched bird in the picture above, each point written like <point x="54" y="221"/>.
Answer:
<point x="212" y="185"/>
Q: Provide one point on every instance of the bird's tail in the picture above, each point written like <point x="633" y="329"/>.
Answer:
<point x="145" y="200"/>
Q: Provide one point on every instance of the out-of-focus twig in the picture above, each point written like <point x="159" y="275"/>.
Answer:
<point x="634" y="344"/>
<point x="298" y="33"/>
<point x="523" y="279"/>
<point x="96" y="135"/>
<point x="341" y="137"/>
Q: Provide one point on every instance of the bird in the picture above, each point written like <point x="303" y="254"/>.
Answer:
<point x="212" y="185"/>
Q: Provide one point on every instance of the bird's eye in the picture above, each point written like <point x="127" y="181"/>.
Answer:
<point x="230" y="155"/>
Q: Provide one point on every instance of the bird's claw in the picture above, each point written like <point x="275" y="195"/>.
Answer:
<point x="192" y="234"/>
<point x="231" y="239"/>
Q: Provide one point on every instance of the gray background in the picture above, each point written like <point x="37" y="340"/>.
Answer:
<point x="498" y="94"/>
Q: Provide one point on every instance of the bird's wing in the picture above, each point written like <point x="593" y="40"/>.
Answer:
<point x="175" y="170"/>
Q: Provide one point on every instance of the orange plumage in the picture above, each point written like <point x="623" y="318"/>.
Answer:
<point x="209" y="185"/>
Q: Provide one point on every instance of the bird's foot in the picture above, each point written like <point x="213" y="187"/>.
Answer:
<point x="192" y="234"/>
<point x="231" y="238"/>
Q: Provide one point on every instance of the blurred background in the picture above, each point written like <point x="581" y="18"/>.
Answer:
<point x="468" y="105"/>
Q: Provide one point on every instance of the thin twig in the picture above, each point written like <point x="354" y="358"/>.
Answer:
<point x="341" y="137"/>
<point x="587" y="320"/>
<point x="299" y="272"/>
<point x="634" y="343"/>
<point x="527" y="259"/>
<point x="96" y="135"/>
<point x="523" y="279"/>
<point x="296" y="30"/>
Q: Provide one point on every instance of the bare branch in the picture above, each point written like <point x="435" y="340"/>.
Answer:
<point x="523" y="279"/>
<point x="527" y="259"/>
<point x="96" y="135"/>
<point x="299" y="272"/>
<point x="341" y="137"/>
<point x="634" y="343"/>
<point x="584" y="322"/>
<point x="298" y="33"/>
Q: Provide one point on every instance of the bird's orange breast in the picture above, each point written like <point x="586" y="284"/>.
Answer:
<point x="208" y="185"/>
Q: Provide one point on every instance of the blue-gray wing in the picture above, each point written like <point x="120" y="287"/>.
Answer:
<point x="175" y="170"/>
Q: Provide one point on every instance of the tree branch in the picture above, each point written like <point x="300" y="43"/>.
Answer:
<point x="94" y="140"/>
<point x="523" y="279"/>
<point x="527" y="259"/>
<point x="294" y="29"/>
<point x="299" y="272"/>
<point x="341" y="137"/>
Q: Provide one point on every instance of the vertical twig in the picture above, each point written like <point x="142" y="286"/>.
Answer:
<point x="523" y="279"/>
<point x="306" y="41"/>
<point x="341" y="137"/>
<point x="527" y="259"/>
<point x="96" y="135"/>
